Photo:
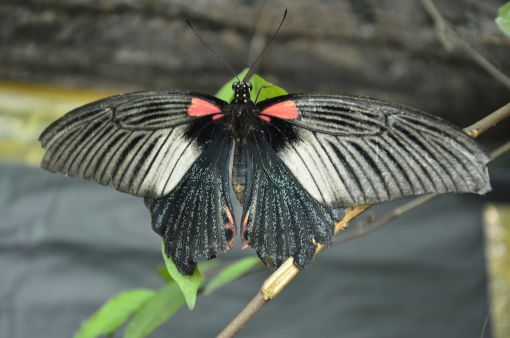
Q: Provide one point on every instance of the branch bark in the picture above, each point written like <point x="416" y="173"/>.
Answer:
<point x="279" y="279"/>
<point x="489" y="121"/>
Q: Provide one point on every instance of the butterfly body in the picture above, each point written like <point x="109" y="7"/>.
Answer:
<point x="296" y="162"/>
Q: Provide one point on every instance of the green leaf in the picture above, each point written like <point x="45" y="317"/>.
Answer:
<point x="267" y="89"/>
<point x="161" y="307"/>
<point x="188" y="284"/>
<point x="503" y="19"/>
<point x="162" y="272"/>
<point x="207" y="266"/>
<point x="231" y="273"/>
<point x="263" y="88"/>
<point x="113" y="313"/>
<point x="203" y="267"/>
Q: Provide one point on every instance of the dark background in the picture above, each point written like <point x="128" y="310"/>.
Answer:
<point x="67" y="245"/>
<point x="385" y="49"/>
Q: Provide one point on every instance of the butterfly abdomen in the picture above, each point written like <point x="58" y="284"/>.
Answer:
<point x="239" y="170"/>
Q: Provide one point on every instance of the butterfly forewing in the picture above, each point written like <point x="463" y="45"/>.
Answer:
<point x="139" y="142"/>
<point x="349" y="151"/>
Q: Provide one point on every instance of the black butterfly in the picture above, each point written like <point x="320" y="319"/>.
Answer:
<point x="297" y="160"/>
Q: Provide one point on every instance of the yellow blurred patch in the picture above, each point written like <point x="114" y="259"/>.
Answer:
<point x="497" y="232"/>
<point x="26" y="109"/>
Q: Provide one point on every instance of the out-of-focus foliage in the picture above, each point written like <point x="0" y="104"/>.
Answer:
<point x="503" y="19"/>
<point x="155" y="311"/>
<point x="497" y="225"/>
<point x="114" y="313"/>
<point x="231" y="273"/>
<point x="142" y="311"/>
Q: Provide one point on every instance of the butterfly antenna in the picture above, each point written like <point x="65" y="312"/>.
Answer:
<point x="267" y="45"/>
<point x="212" y="50"/>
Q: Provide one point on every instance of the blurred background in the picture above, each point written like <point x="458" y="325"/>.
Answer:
<point x="67" y="245"/>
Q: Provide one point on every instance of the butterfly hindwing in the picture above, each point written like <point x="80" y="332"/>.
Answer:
<point x="139" y="142"/>
<point x="348" y="151"/>
<point x="195" y="219"/>
<point x="280" y="218"/>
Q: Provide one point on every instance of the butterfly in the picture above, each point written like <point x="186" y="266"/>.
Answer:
<point x="294" y="162"/>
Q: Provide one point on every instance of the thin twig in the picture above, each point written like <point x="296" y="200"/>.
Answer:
<point x="375" y="224"/>
<point x="500" y="151"/>
<point x="244" y="316"/>
<point x="279" y="279"/>
<point x="489" y="121"/>
<point x="443" y="27"/>
<point x="440" y="23"/>
<point x="484" y="326"/>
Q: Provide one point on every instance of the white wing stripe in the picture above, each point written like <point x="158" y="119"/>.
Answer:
<point x="432" y="167"/>
<point x="84" y="153"/>
<point x="298" y="167"/>
<point x="390" y="163"/>
<point x="370" y="162"/>
<point x="322" y="166"/>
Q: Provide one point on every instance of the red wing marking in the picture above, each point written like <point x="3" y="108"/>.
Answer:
<point x="265" y="118"/>
<point x="230" y="228"/>
<point x="217" y="116"/>
<point x="285" y="110"/>
<point x="229" y="215"/>
<point x="199" y="107"/>
<point x="244" y="226"/>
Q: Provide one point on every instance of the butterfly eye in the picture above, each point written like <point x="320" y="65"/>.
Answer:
<point x="235" y="85"/>
<point x="248" y="85"/>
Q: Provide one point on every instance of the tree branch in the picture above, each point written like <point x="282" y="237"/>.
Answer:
<point x="443" y="28"/>
<point x="489" y="121"/>
<point x="279" y="279"/>
<point x="244" y="316"/>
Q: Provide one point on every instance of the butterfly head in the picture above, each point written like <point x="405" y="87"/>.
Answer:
<point x="242" y="91"/>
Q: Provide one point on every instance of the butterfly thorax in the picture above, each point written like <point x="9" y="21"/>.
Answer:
<point x="243" y="120"/>
<point x="243" y="113"/>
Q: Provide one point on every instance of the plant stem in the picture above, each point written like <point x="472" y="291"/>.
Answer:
<point x="489" y="121"/>
<point x="244" y="316"/>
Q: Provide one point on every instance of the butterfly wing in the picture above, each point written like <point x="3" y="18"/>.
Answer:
<point x="141" y="143"/>
<point x="348" y="151"/>
<point x="164" y="146"/>
<point x="280" y="218"/>
<point x="195" y="219"/>
<point x="319" y="153"/>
